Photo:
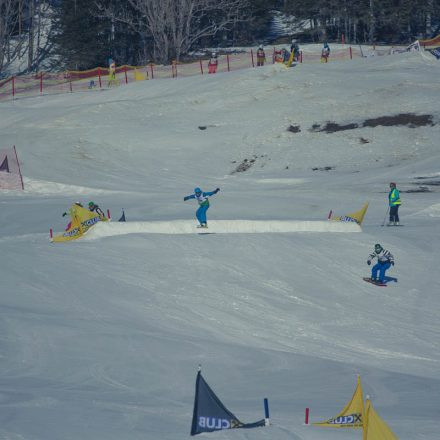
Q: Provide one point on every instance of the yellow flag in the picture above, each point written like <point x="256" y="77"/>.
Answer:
<point x="357" y="216"/>
<point x="290" y="60"/>
<point x="352" y="415"/>
<point x="374" y="427"/>
<point x="138" y="76"/>
<point x="81" y="221"/>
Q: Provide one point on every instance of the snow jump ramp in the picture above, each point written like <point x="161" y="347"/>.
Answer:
<point x="102" y="230"/>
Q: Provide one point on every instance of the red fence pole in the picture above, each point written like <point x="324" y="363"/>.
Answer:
<point x="307" y="416"/>
<point x="41" y="83"/>
<point x="252" y="56"/>
<point x="99" y="76"/>
<point x="51" y="233"/>
<point x="301" y="56"/>
<point x="70" y="82"/>
<point x="351" y="54"/>
<point x="343" y="40"/>
<point x="108" y="214"/>
<point x="227" y="59"/>
<point x="273" y="56"/>
<point x="125" y="71"/>
<point x="19" y="170"/>
<point x="13" y="87"/>
<point x="152" y="71"/>
<point x="201" y="66"/>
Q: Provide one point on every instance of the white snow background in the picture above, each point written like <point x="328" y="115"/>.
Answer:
<point x="101" y="338"/>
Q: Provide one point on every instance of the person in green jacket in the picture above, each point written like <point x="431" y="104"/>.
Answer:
<point x="394" y="201"/>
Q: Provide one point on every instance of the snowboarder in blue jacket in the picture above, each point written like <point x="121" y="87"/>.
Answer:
<point x="202" y="199"/>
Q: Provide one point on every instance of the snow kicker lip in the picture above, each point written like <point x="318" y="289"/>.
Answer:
<point x="175" y="227"/>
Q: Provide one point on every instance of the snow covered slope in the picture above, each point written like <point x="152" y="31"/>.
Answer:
<point x="101" y="338"/>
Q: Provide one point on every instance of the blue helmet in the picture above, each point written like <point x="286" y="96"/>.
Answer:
<point x="197" y="190"/>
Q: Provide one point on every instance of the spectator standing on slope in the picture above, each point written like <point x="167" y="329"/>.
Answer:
<point x="325" y="53"/>
<point x="213" y="63"/>
<point x="295" y="49"/>
<point x="112" y="81"/>
<point x="261" y="56"/>
<point x="394" y="202"/>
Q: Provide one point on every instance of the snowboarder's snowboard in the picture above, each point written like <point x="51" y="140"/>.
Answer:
<point x="204" y="227"/>
<point x="395" y="225"/>
<point x="376" y="283"/>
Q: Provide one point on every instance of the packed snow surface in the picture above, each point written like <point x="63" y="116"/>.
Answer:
<point x="220" y="227"/>
<point x="101" y="338"/>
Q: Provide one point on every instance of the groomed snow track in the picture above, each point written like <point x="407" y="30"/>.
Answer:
<point x="219" y="227"/>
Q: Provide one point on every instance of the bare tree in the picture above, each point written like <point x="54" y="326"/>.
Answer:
<point x="175" y="25"/>
<point x="10" y="13"/>
<point x="42" y="31"/>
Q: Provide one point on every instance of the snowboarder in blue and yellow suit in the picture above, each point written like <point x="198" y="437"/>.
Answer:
<point x="202" y="199"/>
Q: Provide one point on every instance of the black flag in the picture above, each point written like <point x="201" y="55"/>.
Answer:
<point x="210" y="414"/>
<point x="122" y="219"/>
<point x="5" y="166"/>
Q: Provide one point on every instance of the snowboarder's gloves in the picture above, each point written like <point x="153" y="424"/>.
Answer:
<point x="217" y="190"/>
<point x="368" y="262"/>
<point x="185" y="199"/>
<point x="392" y="263"/>
<point x="64" y="214"/>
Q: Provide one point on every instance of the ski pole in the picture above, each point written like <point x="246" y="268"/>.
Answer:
<point x="385" y="218"/>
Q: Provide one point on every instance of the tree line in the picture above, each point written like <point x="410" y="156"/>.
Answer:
<point x="81" y="34"/>
<point x="367" y="21"/>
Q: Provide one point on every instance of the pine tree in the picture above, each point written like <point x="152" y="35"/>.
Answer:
<point x="82" y="40"/>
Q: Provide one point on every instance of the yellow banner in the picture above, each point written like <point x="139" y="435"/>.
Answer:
<point x="374" y="427"/>
<point x="356" y="217"/>
<point x="352" y="415"/>
<point x="81" y="221"/>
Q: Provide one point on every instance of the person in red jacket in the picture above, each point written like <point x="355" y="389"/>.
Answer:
<point x="213" y="63"/>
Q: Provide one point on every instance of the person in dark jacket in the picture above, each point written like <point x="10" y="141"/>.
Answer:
<point x="93" y="207"/>
<point x="261" y="56"/>
<point x="295" y="49"/>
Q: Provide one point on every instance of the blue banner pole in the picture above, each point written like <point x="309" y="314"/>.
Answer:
<point x="266" y="412"/>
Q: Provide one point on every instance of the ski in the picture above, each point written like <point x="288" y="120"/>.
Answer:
<point x="376" y="283"/>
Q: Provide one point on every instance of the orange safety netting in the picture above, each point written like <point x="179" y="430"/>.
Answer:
<point x="99" y="77"/>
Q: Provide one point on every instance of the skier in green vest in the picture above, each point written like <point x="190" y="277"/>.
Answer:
<point x="394" y="201"/>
